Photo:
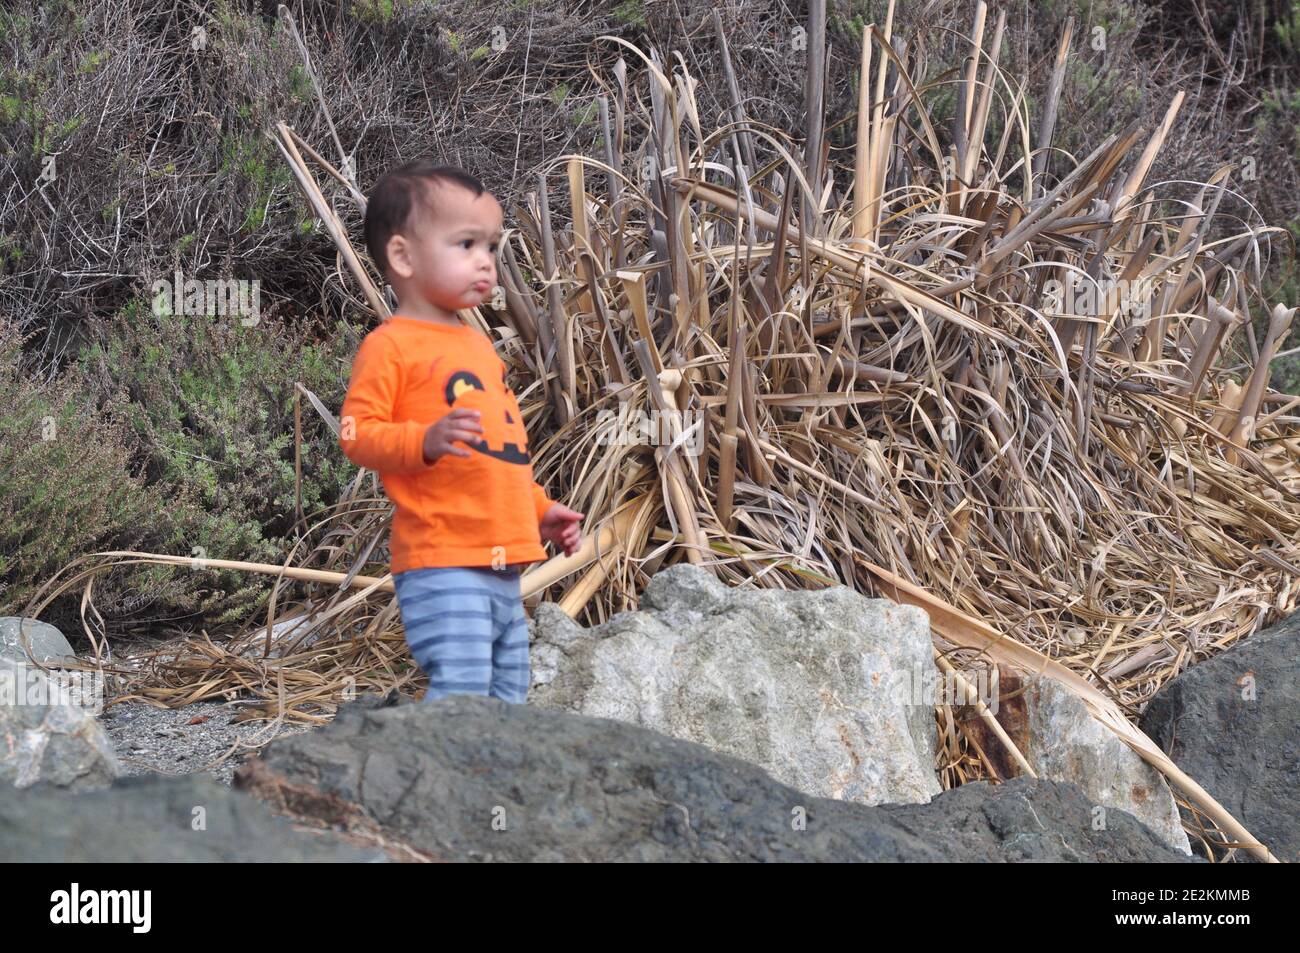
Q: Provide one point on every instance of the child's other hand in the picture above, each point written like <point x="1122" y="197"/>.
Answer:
<point x="559" y="525"/>
<point x="460" y="424"/>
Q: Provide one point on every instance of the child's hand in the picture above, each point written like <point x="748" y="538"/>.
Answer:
<point x="559" y="525"/>
<point x="459" y="424"/>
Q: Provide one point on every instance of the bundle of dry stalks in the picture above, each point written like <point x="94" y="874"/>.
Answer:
<point x="992" y="380"/>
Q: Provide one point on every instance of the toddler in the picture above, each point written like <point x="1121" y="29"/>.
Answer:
<point x="428" y="409"/>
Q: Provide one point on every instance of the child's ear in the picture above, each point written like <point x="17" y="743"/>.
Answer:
<point x="399" y="256"/>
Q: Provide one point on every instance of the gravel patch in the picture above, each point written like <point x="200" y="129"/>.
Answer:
<point x="184" y="740"/>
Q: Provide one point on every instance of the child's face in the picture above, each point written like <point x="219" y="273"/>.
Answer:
<point x="448" y="257"/>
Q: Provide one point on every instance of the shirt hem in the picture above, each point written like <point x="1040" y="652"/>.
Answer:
<point x="468" y="556"/>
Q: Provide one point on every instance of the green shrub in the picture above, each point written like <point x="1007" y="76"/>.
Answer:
<point x="212" y="415"/>
<point x="67" y="485"/>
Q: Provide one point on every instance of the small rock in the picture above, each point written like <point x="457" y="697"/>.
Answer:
<point x="49" y="646"/>
<point x="44" y="737"/>
<point x="1067" y="744"/>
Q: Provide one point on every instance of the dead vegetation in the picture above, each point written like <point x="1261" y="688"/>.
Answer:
<point x="996" y="379"/>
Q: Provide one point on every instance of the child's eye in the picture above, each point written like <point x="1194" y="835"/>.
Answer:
<point x="494" y="247"/>
<point x="467" y="242"/>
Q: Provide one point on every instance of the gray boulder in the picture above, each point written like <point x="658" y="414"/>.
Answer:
<point x="1232" y="722"/>
<point x="1068" y="744"/>
<point x="156" y="819"/>
<point x="48" y="644"/>
<point x="48" y="733"/>
<point x="829" y="691"/>
<point x="474" y="778"/>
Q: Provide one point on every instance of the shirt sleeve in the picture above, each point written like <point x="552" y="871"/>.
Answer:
<point x="541" y="501"/>
<point x="368" y="435"/>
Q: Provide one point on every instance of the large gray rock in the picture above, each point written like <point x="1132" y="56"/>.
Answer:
<point x="1067" y="744"/>
<point x="1232" y="722"/>
<point x="48" y="643"/>
<point x="43" y="737"/>
<point x="474" y="778"/>
<point x="156" y="819"/>
<point x="805" y="684"/>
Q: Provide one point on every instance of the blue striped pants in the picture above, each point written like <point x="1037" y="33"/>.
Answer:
<point x="466" y="628"/>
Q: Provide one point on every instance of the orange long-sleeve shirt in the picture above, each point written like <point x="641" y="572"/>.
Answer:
<point x="481" y="510"/>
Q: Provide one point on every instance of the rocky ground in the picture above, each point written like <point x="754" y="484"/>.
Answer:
<point x="710" y="724"/>
<point x="196" y="738"/>
<point x="476" y="779"/>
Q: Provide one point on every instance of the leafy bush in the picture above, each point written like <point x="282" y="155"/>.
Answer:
<point x="67" y="484"/>
<point x="210" y="418"/>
